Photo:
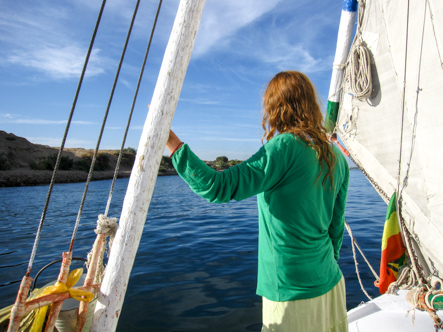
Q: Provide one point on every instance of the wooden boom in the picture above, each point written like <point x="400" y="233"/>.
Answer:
<point x="144" y="173"/>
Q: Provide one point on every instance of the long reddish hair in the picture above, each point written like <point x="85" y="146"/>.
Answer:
<point x="290" y="106"/>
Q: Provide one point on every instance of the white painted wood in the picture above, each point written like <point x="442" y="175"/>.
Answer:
<point x="388" y="313"/>
<point x="145" y="170"/>
<point x="344" y="39"/>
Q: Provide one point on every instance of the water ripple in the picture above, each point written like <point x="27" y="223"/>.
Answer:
<point x="196" y="266"/>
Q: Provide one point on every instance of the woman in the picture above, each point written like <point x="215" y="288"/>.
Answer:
<point x="301" y="183"/>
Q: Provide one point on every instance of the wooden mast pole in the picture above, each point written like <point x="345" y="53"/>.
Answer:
<point x="144" y="173"/>
<point x="344" y="39"/>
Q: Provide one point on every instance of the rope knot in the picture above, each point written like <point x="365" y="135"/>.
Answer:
<point x="106" y="226"/>
<point x="338" y="65"/>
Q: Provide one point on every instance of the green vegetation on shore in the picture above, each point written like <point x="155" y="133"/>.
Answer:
<point x="102" y="163"/>
<point x="23" y="163"/>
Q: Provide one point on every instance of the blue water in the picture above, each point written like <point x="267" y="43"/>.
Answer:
<point x="195" y="269"/>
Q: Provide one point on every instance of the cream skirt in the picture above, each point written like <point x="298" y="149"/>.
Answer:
<point x="325" y="313"/>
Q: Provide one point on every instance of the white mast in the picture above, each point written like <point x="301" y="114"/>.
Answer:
<point x="145" y="170"/>
<point x="344" y="39"/>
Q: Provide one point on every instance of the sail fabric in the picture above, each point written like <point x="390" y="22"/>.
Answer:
<point x="396" y="135"/>
<point x="392" y="248"/>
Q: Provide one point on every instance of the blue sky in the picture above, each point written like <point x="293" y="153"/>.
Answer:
<point x="240" y="46"/>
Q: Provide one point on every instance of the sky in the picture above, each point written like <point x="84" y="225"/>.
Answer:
<point x="240" y="46"/>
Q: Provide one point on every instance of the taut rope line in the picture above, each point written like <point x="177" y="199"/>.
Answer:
<point x="18" y="309"/>
<point x="48" y="197"/>
<point x="94" y="158"/>
<point x="405" y="232"/>
<point x="132" y="109"/>
<point x="108" y="226"/>
<point x="353" y="241"/>
<point x="109" y="221"/>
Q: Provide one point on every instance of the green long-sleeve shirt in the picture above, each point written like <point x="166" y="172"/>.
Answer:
<point x="301" y="221"/>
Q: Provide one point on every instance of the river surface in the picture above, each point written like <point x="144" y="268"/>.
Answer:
<point x="196" y="265"/>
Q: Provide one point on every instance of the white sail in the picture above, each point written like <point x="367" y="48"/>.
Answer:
<point x="396" y="135"/>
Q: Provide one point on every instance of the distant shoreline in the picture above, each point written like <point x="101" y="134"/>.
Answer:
<point x="23" y="163"/>
<point x="27" y="177"/>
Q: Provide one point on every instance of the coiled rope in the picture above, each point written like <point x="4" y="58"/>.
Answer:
<point x="358" y="65"/>
<point x="358" y="71"/>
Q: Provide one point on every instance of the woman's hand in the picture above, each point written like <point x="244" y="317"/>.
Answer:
<point x="173" y="142"/>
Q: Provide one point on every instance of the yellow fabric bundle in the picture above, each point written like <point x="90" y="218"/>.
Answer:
<point x="59" y="287"/>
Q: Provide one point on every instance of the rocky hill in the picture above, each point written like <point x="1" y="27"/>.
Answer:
<point x="23" y="163"/>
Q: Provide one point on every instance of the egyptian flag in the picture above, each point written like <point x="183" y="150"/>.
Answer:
<point x="392" y="249"/>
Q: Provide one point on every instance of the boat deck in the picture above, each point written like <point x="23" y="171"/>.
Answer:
<point x="389" y="313"/>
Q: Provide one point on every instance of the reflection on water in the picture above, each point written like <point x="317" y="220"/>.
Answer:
<point x="195" y="269"/>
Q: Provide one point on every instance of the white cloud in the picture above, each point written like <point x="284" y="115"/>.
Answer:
<point x="9" y="118"/>
<point x="42" y="38"/>
<point x="200" y="101"/>
<point x="223" y="18"/>
<point x="274" y="35"/>
<point x="58" y="62"/>
<point x="284" y="55"/>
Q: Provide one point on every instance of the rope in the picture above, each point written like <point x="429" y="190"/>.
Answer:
<point x="117" y="167"/>
<point x="94" y="158"/>
<point x="406" y="280"/>
<point x="358" y="72"/>
<point x="107" y="227"/>
<point x="338" y="65"/>
<point x="356" y="263"/>
<point x="358" y="64"/>
<point x="435" y="35"/>
<point x="401" y="185"/>
<point x="348" y="228"/>
<point x="68" y="124"/>
<point x="419" y="298"/>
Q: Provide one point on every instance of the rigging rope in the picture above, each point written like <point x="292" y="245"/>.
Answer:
<point x="356" y="263"/>
<point x="406" y="280"/>
<point x="117" y="167"/>
<point x="407" y="236"/>
<point x="435" y="35"/>
<point x="57" y="163"/>
<point x="103" y="220"/>
<point x="94" y="158"/>
<point x="107" y="227"/>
